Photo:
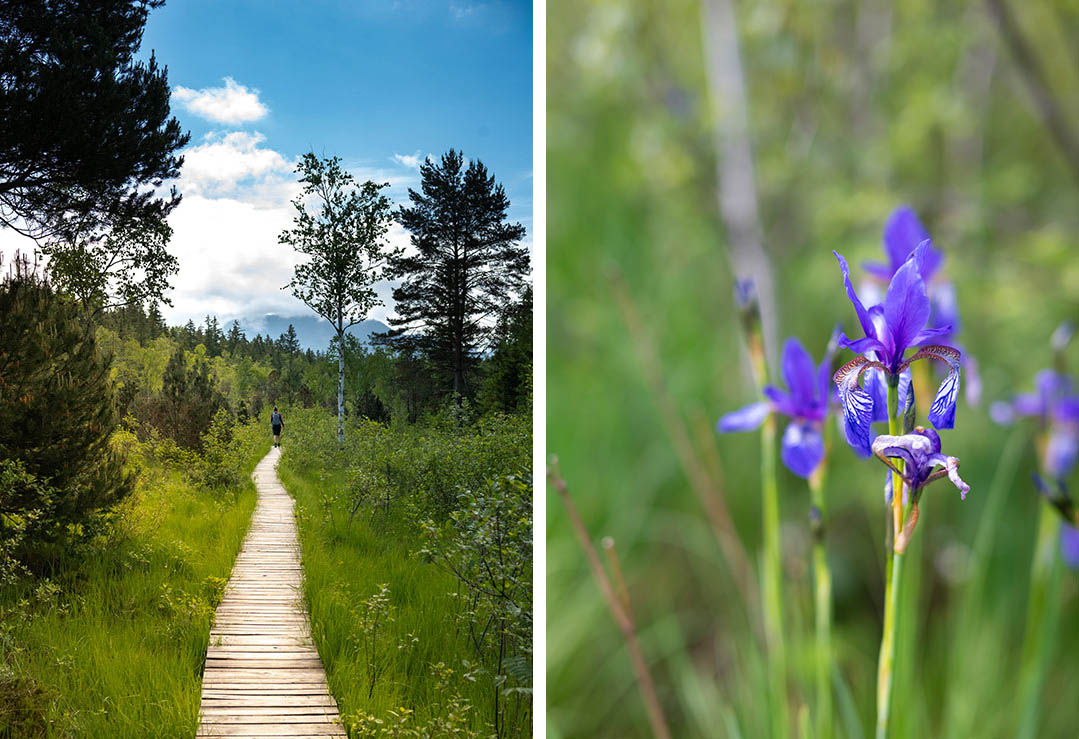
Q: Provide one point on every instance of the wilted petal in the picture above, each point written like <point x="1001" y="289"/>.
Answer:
<point x="1069" y="545"/>
<point x="744" y="419"/>
<point x="799" y="373"/>
<point x="906" y="305"/>
<point x="863" y="314"/>
<point x="803" y="448"/>
<point x="951" y="465"/>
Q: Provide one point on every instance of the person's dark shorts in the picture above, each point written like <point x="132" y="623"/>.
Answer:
<point x="276" y="430"/>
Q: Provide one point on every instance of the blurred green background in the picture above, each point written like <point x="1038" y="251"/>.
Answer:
<point x="854" y="108"/>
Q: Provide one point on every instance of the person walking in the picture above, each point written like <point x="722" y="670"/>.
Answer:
<point x="277" y="423"/>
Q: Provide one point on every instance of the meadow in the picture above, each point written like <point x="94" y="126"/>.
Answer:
<point x="110" y="638"/>
<point x="423" y="621"/>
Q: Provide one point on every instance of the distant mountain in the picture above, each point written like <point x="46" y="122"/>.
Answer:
<point x="314" y="332"/>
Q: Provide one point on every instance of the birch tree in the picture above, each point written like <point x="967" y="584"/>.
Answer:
<point x="343" y="236"/>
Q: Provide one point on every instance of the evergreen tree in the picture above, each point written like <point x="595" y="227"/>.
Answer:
<point x="467" y="264"/>
<point x="57" y="412"/>
<point x="508" y="384"/>
<point x="344" y="241"/>
<point x="156" y="321"/>
<point x="85" y="133"/>
<point x="213" y="339"/>
<point x="235" y="339"/>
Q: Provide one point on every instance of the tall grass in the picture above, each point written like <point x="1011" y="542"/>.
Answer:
<point x="111" y="641"/>
<point x="393" y="630"/>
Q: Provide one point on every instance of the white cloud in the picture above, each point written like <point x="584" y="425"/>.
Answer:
<point x="233" y="103"/>
<point x="227" y="161"/>
<point x="412" y="161"/>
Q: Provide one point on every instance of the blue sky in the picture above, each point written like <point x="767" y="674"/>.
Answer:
<point x="379" y="84"/>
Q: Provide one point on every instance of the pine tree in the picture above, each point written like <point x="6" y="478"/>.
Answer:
<point x="235" y="339"/>
<point x="57" y="408"/>
<point x="467" y="265"/>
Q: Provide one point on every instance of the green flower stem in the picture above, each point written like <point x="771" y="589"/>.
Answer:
<point x="893" y="585"/>
<point x="771" y="581"/>
<point x="1043" y="611"/>
<point x="822" y="577"/>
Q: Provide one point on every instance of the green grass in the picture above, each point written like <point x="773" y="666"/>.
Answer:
<point x="112" y="642"/>
<point x="386" y="674"/>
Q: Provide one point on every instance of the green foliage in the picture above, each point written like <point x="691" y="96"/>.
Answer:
<point x="466" y="265"/>
<point x="507" y="386"/>
<point x="220" y="466"/>
<point x="57" y="414"/>
<point x="487" y="546"/>
<point x="187" y="403"/>
<point x="128" y="266"/>
<point x="85" y="125"/>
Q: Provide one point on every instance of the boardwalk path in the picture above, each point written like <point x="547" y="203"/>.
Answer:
<point x="263" y="675"/>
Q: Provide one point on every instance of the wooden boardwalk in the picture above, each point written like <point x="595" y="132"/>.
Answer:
<point x="263" y="675"/>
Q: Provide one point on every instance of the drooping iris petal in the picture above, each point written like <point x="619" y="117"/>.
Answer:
<point x="906" y="307"/>
<point x="744" y="419"/>
<point x="799" y="373"/>
<point x="863" y="314"/>
<point x="1069" y="545"/>
<point x="803" y="448"/>
<point x="857" y="404"/>
<point x="942" y="411"/>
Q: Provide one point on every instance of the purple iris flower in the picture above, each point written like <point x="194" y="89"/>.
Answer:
<point x="806" y="403"/>
<point x="890" y="329"/>
<point x="1055" y="403"/>
<point x="903" y="232"/>
<point x="920" y="452"/>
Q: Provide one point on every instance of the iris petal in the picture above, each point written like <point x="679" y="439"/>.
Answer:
<point x="902" y="232"/>
<point x="863" y="314"/>
<point x="781" y="401"/>
<point x="877" y="387"/>
<point x="1062" y="450"/>
<point x="803" y="449"/>
<point x="906" y="305"/>
<point x="744" y="419"/>
<point x="942" y="411"/>
<point x="799" y="373"/>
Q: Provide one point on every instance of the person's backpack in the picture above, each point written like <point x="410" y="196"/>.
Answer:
<point x="275" y="419"/>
